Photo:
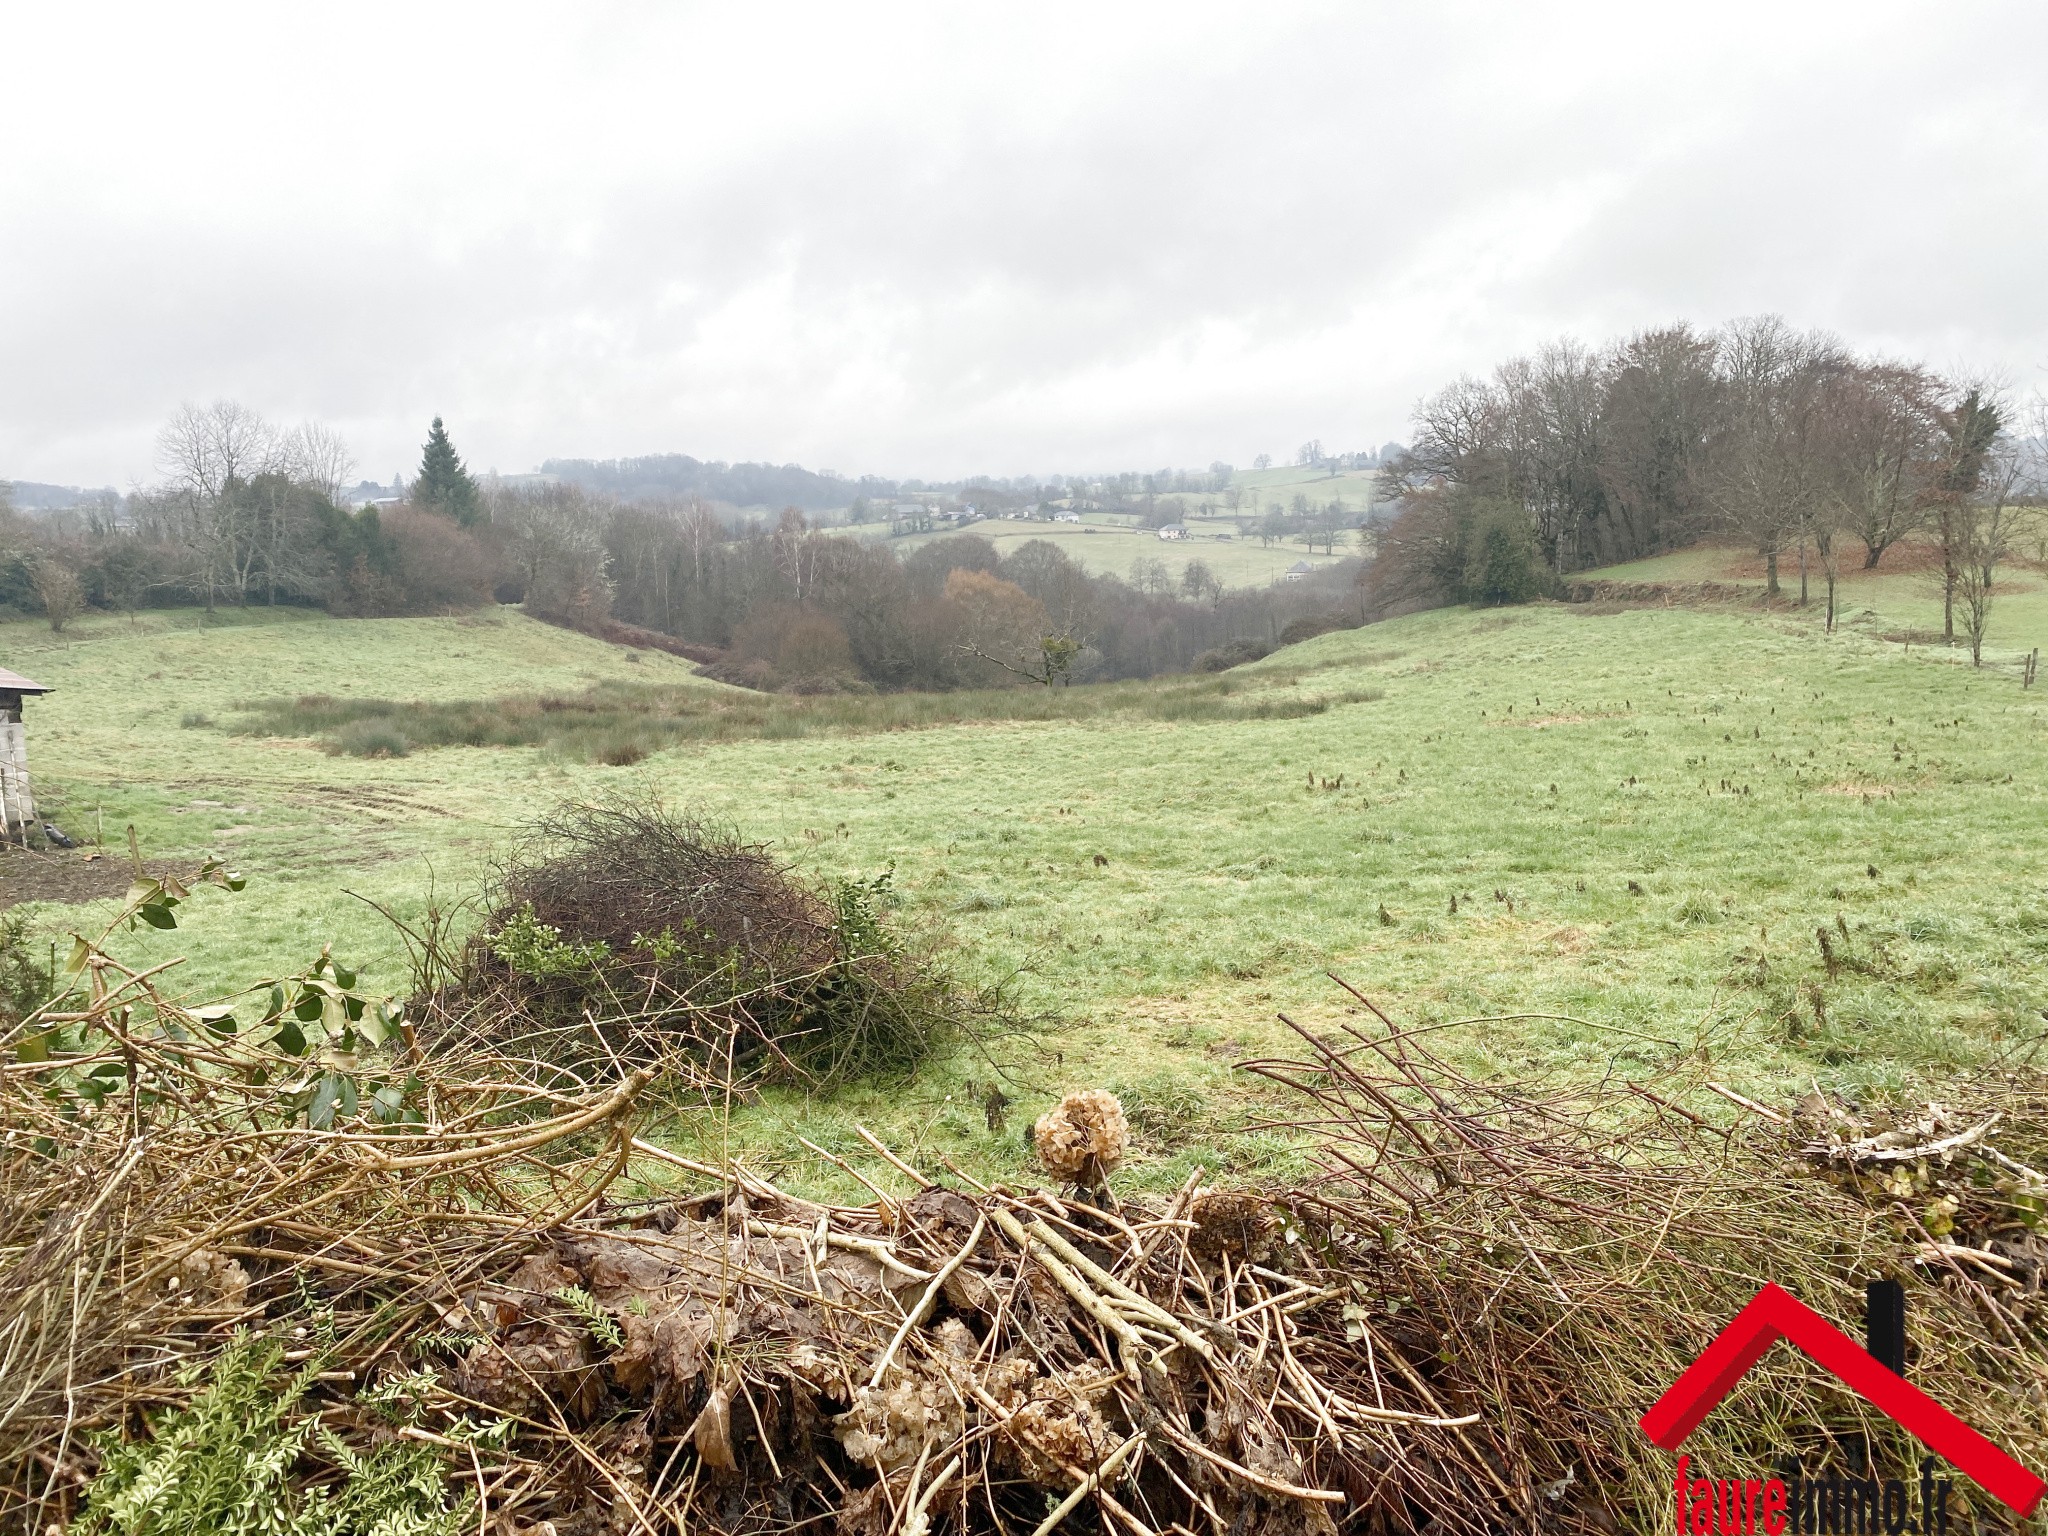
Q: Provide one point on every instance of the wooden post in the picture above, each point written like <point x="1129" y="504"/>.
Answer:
<point x="17" y="805"/>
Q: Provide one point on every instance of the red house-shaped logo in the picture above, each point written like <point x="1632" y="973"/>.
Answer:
<point x="1775" y="1314"/>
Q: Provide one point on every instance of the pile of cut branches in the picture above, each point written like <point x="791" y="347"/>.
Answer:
<point x="625" y="931"/>
<point x="1558" y="1253"/>
<point x="739" y="1359"/>
<point x="285" y="1240"/>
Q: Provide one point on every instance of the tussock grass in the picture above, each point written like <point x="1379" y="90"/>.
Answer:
<point x="620" y="723"/>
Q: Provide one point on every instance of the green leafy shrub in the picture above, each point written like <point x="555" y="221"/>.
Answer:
<point x="24" y="985"/>
<point x="1501" y="562"/>
<point x="538" y="951"/>
<point x="234" y="1463"/>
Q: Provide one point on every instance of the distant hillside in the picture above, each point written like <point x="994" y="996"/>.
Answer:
<point x="34" y="496"/>
<point x="741" y="485"/>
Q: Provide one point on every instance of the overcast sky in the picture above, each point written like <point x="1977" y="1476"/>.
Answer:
<point x="958" y="239"/>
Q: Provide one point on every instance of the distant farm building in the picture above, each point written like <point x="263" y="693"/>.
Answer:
<point x="17" y="805"/>
<point x="1174" y="531"/>
<point x="1066" y="517"/>
<point x="1297" y="571"/>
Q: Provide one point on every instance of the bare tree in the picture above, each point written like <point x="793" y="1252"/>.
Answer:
<point x="554" y="536"/>
<point x="1970" y="427"/>
<point x="58" y="589"/>
<point x="315" y="456"/>
<point x="1876" y="439"/>
<point x="1886" y="435"/>
<point x="1149" y="575"/>
<point x="209" y="454"/>
<point x="1662" y="407"/>
<point x="1984" y="523"/>
<point x="205" y="449"/>
<point x="1764" y="475"/>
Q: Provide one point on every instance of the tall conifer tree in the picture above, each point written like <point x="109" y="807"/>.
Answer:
<point x="444" y="485"/>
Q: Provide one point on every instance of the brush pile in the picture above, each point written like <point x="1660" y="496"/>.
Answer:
<point x="430" y="1251"/>
<point x="627" y="932"/>
<point x="411" y="1271"/>
<point x="1557" y="1254"/>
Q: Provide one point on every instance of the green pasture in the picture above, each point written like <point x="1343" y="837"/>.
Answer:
<point x="1644" y="816"/>
<point x="1107" y="545"/>
<point x="1903" y="594"/>
<point x="1283" y="482"/>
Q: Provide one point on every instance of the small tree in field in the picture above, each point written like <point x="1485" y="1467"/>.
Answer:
<point x="1765" y="477"/>
<point x="1969" y="432"/>
<point x="58" y="589"/>
<point x="1982" y="529"/>
<point x="445" y="485"/>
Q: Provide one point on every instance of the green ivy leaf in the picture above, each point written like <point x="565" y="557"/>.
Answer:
<point x="326" y="1097"/>
<point x="157" y="914"/>
<point x="218" y="1017"/>
<point x="291" y="1039"/>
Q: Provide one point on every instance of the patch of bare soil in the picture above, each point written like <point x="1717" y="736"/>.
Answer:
<point x="26" y="875"/>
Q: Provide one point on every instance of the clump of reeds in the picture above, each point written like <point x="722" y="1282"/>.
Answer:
<point x="620" y="723"/>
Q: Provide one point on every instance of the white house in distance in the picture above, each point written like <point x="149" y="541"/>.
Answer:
<point x="1174" y="531"/>
<point x="1296" y="571"/>
<point x="1066" y="517"/>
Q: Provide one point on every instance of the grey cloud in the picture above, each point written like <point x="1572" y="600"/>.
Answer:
<point x="935" y="242"/>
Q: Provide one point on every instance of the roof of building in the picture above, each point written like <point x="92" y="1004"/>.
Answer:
<point x="14" y="682"/>
<point x="1300" y="565"/>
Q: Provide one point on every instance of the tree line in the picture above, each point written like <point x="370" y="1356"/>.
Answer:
<point x="1578" y="457"/>
<point x="796" y="607"/>
<point x="247" y="512"/>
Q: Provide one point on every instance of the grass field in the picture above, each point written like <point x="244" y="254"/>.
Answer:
<point x="1283" y="482"/>
<point x="1903" y="593"/>
<point x="1107" y="545"/>
<point x="1643" y="816"/>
